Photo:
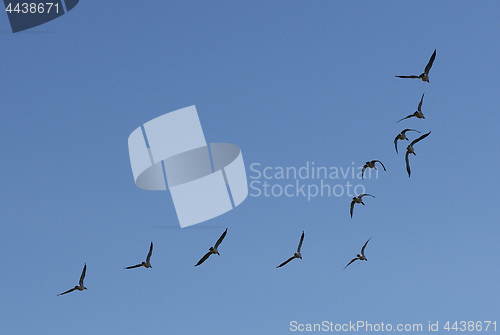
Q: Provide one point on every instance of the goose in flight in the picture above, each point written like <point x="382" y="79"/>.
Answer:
<point x="80" y="286"/>
<point x="418" y="113"/>
<point x="371" y="165"/>
<point x="297" y="254"/>
<point x="424" y="76"/>
<point x="213" y="250"/>
<point x="358" y="200"/>
<point x="410" y="150"/>
<point x="360" y="257"/>
<point x="402" y="136"/>
<point x="146" y="264"/>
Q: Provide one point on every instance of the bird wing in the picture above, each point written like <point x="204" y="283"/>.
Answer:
<point x="412" y="76"/>
<point x="204" y="258"/>
<point x="420" y="138"/>
<point x="83" y="274"/>
<point x="420" y="103"/>
<point x="74" y="288"/>
<point x="407" y="163"/>
<point x="381" y="164"/>
<point x="404" y="131"/>
<point x="396" y="143"/>
<point x="429" y="65"/>
<point x="351" y="262"/>
<point x="300" y="243"/>
<point x="133" y="266"/>
<point x="352" y="207"/>
<point x="406" y="117"/>
<point x="149" y="253"/>
<point x="285" y="262"/>
<point x="362" y="195"/>
<point x="363" y="249"/>
<point x="363" y="171"/>
<point x="220" y="239"/>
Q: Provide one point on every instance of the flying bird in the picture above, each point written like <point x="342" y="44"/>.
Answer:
<point x="424" y="76"/>
<point x="371" y="165"/>
<point x="295" y="255"/>
<point x="402" y="136"/>
<point x="146" y="264"/>
<point x="213" y="250"/>
<point x="358" y="200"/>
<point x="410" y="150"/>
<point x="360" y="257"/>
<point x="418" y="113"/>
<point x="80" y="286"/>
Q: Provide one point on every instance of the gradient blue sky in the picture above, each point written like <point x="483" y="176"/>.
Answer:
<point x="289" y="82"/>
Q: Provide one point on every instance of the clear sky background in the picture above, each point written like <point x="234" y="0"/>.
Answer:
<point x="289" y="82"/>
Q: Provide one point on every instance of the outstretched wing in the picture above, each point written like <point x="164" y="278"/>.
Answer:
<point x="363" y="171"/>
<point x="133" y="266"/>
<point x="82" y="277"/>
<point x="396" y="143"/>
<point x="412" y="76"/>
<point x="204" y="258"/>
<point x="300" y="243"/>
<point x="420" y="103"/>
<point x="363" y="249"/>
<point x="352" y="207"/>
<point x="409" y="116"/>
<point x="74" y="288"/>
<point x="407" y="164"/>
<point x="380" y="164"/>
<point x="285" y="262"/>
<point x="420" y="138"/>
<point x="404" y="131"/>
<point x="351" y="262"/>
<point x="429" y="65"/>
<point x="220" y="239"/>
<point x="362" y="195"/>
<point x="150" y="252"/>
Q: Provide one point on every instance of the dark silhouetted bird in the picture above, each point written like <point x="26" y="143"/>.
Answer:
<point x="371" y="165"/>
<point x="402" y="136"/>
<point x="358" y="200"/>
<point x="146" y="264"/>
<point x="418" y="113"/>
<point x="80" y="286"/>
<point x="360" y="257"/>
<point x="424" y="76"/>
<point x="295" y="255"/>
<point x="410" y="150"/>
<point x="213" y="250"/>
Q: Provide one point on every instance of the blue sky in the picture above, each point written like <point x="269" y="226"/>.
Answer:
<point x="289" y="82"/>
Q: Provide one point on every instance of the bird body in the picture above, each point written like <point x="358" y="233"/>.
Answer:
<point x="214" y="251"/>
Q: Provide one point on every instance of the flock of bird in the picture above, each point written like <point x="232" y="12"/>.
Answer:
<point x="355" y="200"/>
<point x="409" y="149"/>
<point x="418" y="114"/>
